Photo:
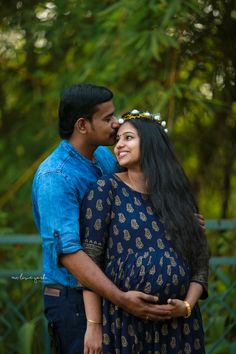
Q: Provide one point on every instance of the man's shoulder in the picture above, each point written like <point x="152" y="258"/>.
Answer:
<point x="105" y="159"/>
<point x="103" y="148"/>
<point x="103" y="151"/>
<point x="57" y="162"/>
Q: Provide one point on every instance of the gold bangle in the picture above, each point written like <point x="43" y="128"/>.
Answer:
<point x="188" y="309"/>
<point x="95" y="322"/>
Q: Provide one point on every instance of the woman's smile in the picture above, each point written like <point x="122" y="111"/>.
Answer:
<point x="121" y="154"/>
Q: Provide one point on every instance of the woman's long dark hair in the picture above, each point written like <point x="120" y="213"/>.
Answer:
<point x="170" y="191"/>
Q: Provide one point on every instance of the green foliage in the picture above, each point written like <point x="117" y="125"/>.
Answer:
<point x="26" y="332"/>
<point x="176" y="57"/>
<point x="219" y="311"/>
<point x="22" y="326"/>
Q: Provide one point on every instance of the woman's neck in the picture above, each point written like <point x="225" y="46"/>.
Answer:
<point x="137" y="181"/>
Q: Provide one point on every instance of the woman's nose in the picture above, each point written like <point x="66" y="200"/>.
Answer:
<point x="119" y="143"/>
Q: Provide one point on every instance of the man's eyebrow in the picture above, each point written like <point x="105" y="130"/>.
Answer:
<point x="109" y="115"/>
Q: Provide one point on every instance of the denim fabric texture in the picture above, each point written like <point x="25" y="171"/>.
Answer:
<point x="59" y="186"/>
<point x="66" y="321"/>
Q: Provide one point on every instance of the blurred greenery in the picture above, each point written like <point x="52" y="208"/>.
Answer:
<point x="175" y="57"/>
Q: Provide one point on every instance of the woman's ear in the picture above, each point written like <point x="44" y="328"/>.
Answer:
<point x="81" y="125"/>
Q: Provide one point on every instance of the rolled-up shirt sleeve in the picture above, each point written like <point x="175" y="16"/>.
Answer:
<point x="58" y="208"/>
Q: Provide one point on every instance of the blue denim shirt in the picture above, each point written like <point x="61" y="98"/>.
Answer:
<point x="59" y="186"/>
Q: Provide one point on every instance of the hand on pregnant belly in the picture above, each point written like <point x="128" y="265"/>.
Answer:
<point x="155" y="273"/>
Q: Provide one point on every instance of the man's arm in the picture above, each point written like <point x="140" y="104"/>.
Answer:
<point x="133" y="302"/>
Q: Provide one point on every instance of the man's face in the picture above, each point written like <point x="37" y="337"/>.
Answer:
<point x="103" y="125"/>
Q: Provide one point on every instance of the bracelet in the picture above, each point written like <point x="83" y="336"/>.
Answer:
<point x="188" y="309"/>
<point x="95" y="322"/>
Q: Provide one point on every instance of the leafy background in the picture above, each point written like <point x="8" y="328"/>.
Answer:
<point x="175" y="57"/>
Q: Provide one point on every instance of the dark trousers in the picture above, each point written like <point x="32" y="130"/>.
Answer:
<point x="64" y="310"/>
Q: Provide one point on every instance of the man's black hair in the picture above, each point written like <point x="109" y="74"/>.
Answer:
<point x="79" y="101"/>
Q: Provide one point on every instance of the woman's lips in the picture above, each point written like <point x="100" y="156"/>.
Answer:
<point x="122" y="154"/>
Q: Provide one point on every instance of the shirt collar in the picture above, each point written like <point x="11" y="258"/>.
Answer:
<point x="75" y="153"/>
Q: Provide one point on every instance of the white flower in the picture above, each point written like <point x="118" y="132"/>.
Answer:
<point x="163" y="123"/>
<point x="134" y="111"/>
<point x="147" y="114"/>
<point x="157" y="116"/>
<point x="120" y="120"/>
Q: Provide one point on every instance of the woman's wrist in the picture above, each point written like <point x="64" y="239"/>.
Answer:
<point x="187" y="308"/>
<point x="92" y="322"/>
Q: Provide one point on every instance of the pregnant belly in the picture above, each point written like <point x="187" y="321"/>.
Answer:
<point x="157" y="273"/>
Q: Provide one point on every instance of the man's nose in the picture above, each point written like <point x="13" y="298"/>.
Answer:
<point x="115" y="123"/>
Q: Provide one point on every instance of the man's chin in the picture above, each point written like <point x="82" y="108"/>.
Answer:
<point x="110" y="142"/>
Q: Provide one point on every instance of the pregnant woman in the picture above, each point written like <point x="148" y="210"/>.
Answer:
<point x="140" y="227"/>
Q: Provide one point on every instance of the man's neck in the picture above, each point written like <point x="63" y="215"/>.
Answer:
<point x="83" y="148"/>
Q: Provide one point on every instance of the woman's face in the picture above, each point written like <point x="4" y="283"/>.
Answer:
<point x="127" y="148"/>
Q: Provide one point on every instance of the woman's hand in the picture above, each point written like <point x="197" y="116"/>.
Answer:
<point x="93" y="339"/>
<point x="178" y="308"/>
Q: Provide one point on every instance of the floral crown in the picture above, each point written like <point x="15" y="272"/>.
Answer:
<point x="146" y="115"/>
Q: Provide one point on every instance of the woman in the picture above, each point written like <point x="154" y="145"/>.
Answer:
<point x="139" y="226"/>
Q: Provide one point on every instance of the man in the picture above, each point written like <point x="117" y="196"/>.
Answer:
<point x="86" y="121"/>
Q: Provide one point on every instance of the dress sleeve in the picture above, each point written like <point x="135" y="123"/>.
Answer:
<point x="200" y="269"/>
<point x="95" y="218"/>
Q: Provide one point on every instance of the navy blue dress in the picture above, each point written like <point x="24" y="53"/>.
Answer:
<point x="125" y="238"/>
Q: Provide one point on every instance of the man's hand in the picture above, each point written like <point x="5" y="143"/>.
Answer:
<point x="144" y="306"/>
<point x="201" y="220"/>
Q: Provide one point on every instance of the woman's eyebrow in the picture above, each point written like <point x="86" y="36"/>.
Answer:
<point x="125" y="133"/>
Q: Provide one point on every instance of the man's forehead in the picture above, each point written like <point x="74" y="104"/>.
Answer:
<point x="105" y="106"/>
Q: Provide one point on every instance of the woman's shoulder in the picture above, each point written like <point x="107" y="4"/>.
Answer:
<point x="105" y="186"/>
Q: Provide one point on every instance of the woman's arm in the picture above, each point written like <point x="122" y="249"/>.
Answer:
<point x="194" y="293"/>
<point x="200" y="267"/>
<point x="180" y="308"/>
<point x="93" y="334"/>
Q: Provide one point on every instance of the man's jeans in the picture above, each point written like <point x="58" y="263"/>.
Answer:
<point x="64" y="310"/>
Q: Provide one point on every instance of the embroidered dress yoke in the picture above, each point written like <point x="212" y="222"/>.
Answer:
<point x="128" y="241"/>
